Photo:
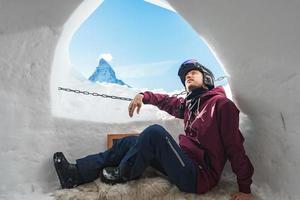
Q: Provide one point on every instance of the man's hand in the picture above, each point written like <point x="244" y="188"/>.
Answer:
<point x="241" y="196"/>
<point x="136" y="102"/>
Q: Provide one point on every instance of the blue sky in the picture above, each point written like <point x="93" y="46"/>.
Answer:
<point x="144" y="43"/>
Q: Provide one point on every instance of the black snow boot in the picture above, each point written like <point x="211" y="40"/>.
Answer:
<point x="111" y="175"/>
<point x="68" y="174"/>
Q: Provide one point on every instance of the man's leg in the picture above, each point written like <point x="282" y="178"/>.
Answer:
<point x="90" y="166"/>
<point x="156" y="144"/>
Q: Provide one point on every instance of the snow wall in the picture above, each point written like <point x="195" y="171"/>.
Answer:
<point x="256" y="41"/>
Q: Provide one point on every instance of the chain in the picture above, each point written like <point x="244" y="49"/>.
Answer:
<point x="94" y="94"/>
<point x="181" y="93"/>
<point x="116" y="97"/>
<point x="221" y="78"/>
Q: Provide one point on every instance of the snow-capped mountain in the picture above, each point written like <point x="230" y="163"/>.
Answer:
<point x="105" y="73"/>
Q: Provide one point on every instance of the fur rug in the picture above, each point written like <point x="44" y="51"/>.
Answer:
<point x="150" y="186"/>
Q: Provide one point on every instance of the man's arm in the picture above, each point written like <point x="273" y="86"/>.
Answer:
<point x="163" y="102"/>
<point x="233" y="143"/>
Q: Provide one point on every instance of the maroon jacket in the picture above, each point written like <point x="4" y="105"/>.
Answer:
<point x="211" y="137"/>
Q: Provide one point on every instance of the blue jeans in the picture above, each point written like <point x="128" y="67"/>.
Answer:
<point x="153" y="147"/>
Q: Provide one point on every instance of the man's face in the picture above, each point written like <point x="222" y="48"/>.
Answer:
<point x="193" y="79"/>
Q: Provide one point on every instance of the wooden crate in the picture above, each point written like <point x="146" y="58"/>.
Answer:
<point x="111" y="137"/>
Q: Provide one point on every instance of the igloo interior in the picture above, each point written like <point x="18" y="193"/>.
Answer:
<point x="256" y="41"/>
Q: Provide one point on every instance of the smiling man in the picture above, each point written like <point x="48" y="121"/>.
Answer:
<point x="211" y="137"/>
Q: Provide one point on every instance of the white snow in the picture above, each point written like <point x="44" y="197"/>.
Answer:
<point x="257" y="42"/>
<point x="99" y="109"/>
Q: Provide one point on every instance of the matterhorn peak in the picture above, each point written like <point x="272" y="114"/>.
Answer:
<point x="105" y="73"/>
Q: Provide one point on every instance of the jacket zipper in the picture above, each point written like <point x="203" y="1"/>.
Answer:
<point x="175" y="152"/>
<point x="188" y="122"/>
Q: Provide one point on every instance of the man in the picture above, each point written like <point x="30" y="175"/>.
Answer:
<point x="211" y="137"/>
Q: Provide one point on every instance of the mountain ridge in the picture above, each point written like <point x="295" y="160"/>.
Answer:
<point x="105" y="73"/>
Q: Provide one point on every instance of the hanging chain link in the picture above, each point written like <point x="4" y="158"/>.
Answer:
<point x="221" y="78"/>
<point x="116" y="97"/>
<point x="94" y="94"/>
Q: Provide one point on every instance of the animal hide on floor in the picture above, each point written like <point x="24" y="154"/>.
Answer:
<point x="151" y="186"/>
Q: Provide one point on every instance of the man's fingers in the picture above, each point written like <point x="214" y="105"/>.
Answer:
<point x="133" y="106"/>
<point x="131" y="111"/>
<point x="138" y="108"/>
<point x="130" y="108"/>
<point x="130" y="105"/>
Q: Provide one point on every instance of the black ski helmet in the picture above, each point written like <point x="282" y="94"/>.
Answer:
<point x="192" y="64"/>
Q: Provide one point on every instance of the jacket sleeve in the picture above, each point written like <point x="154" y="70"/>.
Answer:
<point x="163" y="102"/>
<point x="233" y="143"/>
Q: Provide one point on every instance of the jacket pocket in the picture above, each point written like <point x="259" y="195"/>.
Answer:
<point x="195" y="151"/>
